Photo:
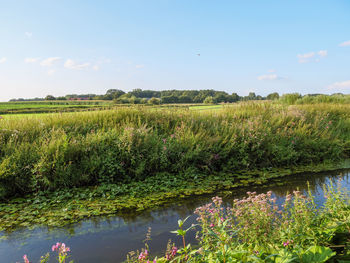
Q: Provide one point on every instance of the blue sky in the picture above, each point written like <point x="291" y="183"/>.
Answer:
<point x="84" y="46"/>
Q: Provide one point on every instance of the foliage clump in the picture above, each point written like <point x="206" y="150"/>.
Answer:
<point x="256" y="229"/>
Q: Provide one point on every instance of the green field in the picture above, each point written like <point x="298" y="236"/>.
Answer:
<point x="29" y="107"/>
<point x="137" y="157"/>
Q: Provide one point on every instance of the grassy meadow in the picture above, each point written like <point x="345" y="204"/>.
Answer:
<point x="33" y="107"/>
<point x="79" y="164"/>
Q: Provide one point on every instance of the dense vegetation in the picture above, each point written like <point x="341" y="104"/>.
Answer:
<point x="75" y="165"/>
<point x="138" y="96"/>
<point x="133" y="144"/>
<point x="257" y="229"/>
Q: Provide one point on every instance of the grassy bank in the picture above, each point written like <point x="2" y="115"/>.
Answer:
<point x="137" y="157"/>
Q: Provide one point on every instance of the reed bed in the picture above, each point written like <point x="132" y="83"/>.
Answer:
<point x="127" y="144"/>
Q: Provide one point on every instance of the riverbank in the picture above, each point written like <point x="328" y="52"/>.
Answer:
<point x="66" y="207"/>
<point x="61" y="168"/>
<point x="119" y="235"/>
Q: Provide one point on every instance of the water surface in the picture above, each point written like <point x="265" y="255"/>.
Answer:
<point x="108" y="240"/>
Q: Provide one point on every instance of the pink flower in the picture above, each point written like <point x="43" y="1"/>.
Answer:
<point x="26" y="260"/>
<point x="55" y="247"/>
<point x="173" y="251"/>
<point x="143" y="255"/>
<point x="286" y="243"/>
<point x="211" y="225"/>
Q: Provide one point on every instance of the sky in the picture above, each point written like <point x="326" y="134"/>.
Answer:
<point x="61" y="47"/>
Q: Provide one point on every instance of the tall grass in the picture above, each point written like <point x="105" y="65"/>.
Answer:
<point x="127" y="144"/>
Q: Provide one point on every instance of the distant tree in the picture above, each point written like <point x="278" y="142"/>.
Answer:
<point x="50" y="97"/>
<point x="143" y="101"/>
<point x="113" y="94"/>
<point x="209" y="100"/>
<point x="220" y="97"/>
<point x="134" y="100"/>
<point x="251" y="96"/>
<point x="290" y="98"/>
<point x="154" y="101"/>
<point x="170" y="99"/>
<point x="234" y="97"/>
<point x="61" y="98"/>
<point x="273" y="96"/>
<point x="185" y="99"/>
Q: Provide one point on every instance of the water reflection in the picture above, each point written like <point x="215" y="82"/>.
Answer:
<point x="109" y="239"/>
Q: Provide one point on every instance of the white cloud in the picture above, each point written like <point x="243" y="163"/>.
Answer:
<point x="345" y="44"/>
<point x="70" y="64"/>
<point x="139" y="66"/>
<point x="306" y="55"/>
<point x="51" y="72"/>
<point x="3" y="60"/>
<point x="312" y="56"/>
<point x="49" y="61"/>
<point x="31" y="60"/>
<point x="271" y="71"/>
<point x="304" y="58"/>
<point x="96" y="67"/>
<point x="343" y="85"/>
<point x="322" y="53"/>
<point x="28" y="34"/>
<point x="269" y="77"/>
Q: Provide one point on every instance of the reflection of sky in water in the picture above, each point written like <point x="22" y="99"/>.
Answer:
<point x="109" y="240"/>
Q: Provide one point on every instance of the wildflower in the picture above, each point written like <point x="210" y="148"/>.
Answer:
<point x="172" y="135"/>
<point x="25" y="258"/>
<point x="211" y="225"/>
<point x="285" y="244"/>
<point x="164" y="140"/>
<point x="55" y="247"/>
<point x="164" y="148"/>
<point x="143" y="255"/>
<point x="173" y="251"/>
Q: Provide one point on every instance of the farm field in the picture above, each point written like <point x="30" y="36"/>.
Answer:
<point x="76" y="165"/>
<point x="29" y="107"/>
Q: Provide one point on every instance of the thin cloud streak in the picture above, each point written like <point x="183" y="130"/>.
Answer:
<point x="49" y="61"/>
<point x="345" y="44"/>
<point x="340" y="86"/>
<point x="31" y="60"/>
<point x="70" y="64"/>
<point x="270" y="77"/>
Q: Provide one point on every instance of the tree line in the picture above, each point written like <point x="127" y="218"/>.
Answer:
<point x="139" y="96"/>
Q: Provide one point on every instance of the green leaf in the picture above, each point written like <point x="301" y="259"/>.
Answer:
<point x="317" y="254"/>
